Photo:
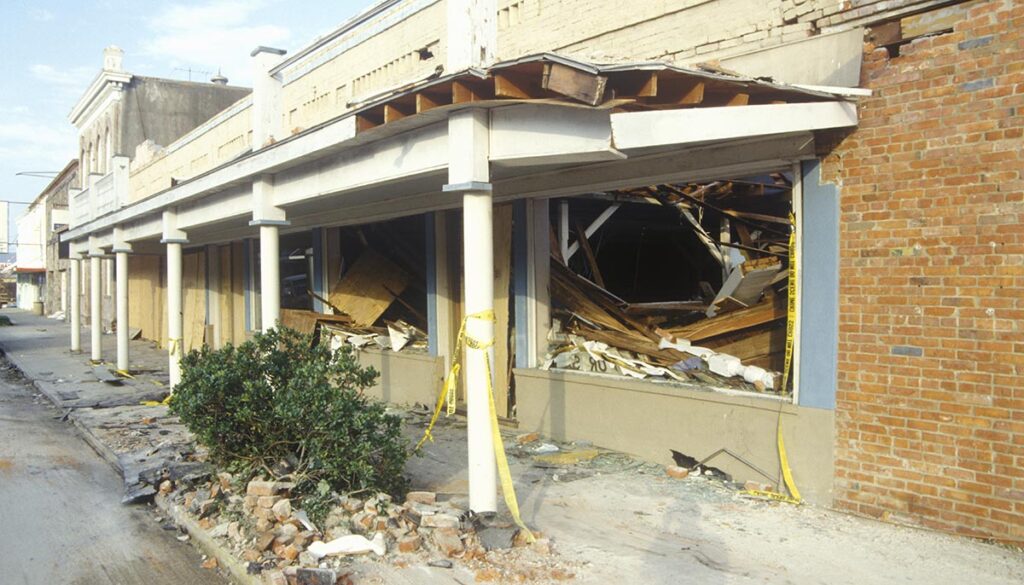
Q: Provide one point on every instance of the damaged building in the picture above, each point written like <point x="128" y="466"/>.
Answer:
<point x="693" y="227"/>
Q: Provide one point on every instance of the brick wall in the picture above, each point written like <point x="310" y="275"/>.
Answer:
<point x="930" y="409"/>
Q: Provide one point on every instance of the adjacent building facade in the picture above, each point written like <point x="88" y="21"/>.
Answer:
<point x="689" y="225"/>
<point x="41" y="273"/>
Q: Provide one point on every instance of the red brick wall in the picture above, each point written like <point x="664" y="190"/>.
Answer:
<point x="930" y="404"/>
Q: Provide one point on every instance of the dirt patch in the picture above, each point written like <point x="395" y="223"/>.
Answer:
<point x="6" y="465"/>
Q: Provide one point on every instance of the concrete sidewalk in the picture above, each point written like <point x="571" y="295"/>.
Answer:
<point x="615" y="518"/>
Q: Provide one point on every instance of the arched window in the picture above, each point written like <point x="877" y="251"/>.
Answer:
<point x="108" y="153"/>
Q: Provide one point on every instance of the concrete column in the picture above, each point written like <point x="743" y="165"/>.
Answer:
<point x="270" y="277"/>
<point x="173" y="239"/>
<point x="266" y="96"/>
<point x="121" y="250"/>
<point x="95" y="308"/>
<point x="76" y="304"/>
<point x="269" y="218"/>
<point x="469" y="175"/>
<point x="121" y="303"/>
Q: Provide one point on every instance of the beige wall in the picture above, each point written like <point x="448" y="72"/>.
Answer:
<point x="379" y="63"/>
<point x="219" y="140"/>
<point x="405" y="378"/>
<point x="648" y="419"/>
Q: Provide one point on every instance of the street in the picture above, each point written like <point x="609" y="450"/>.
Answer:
<point x="61" y="520"/>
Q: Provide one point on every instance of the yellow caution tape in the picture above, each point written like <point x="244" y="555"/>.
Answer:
<point x="787" y="478"/>
<point x="448" y="394"/>
<point x="175" y="346"/>
<point x="125" y="374"/>
<point x="790" y="304"/>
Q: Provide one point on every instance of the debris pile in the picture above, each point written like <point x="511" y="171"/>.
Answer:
<point x="260" y="525"/>
<point x="731" y="334"/>
<point x="378" y="298"/>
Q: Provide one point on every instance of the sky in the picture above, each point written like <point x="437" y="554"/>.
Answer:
<point x="52" y="50"/>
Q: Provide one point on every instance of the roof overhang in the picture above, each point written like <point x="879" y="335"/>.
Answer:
<point x="548" y="114"/>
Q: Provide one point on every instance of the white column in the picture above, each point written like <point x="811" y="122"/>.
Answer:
<point x="270" y="277"/>
<point x="174" y="315"/>
<point x="469" y="174"/>
<point x="76" y="304"/>
<point x="269" y="218"/>
<point x="121" y="250"/>
<point x="95" y="308"/>
<point x="173" y="239"/>
<point x="121" y="300"/>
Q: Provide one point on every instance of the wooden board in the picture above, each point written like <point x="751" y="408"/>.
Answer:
<point x="764" y="312"/>
<point x="237" y="294"/>
<point x="193" y="270"/>
<point x="302" y="321"/>
<point x="227" y="315"/>
<point x="502" y="280"/>
<point x="369" y="287"/>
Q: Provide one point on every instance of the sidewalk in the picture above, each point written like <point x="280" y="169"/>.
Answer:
<point x="615" y="519"/>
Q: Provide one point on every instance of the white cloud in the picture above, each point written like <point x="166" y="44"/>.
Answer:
<point x="74" y="78"/>
<point x="211" y="35"/>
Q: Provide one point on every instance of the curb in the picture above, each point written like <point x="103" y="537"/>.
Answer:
<point x="199" y="537"/>
<point x="204" y="542"/>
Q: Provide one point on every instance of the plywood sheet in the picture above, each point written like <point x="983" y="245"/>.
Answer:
<point x="369" y="287"/>
<point x="502" y="281"/>
<point x="237" y="293"/>
<point x="194" y="300"/>
<point x="227" y="315"/>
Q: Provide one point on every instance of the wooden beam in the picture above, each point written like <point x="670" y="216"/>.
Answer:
<point x="433" y="98"/>
<point x="369" y="119"/>
<point x="678" y="91"/>
<point x="628" y="84"/>
<point x="571" y="82"/>
<point x="517" y="85"/>
<point x="719" y="98"/>
<point x="466" y="90"/>
<point x="396" y="111"/>
<point x="588" y="253"/>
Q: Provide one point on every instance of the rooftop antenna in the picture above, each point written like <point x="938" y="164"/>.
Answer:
<point x="190" y="71"/>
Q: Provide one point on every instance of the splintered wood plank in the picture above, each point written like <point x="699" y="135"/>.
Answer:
<point x="588" y="253"/>
<point x="629" y="84"/>
<point x="764" y="312"/>
<point x="579" y="85"/>
<point x="502" y="281"/>
<point x="369" y="287"/>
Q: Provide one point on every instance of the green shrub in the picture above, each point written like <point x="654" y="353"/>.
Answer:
<point x="279" y="398"/>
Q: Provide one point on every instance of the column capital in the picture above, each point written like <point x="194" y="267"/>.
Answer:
<point x="174" y="241"/>
<point x="273" y="222"/>
<point x="467" y="187"/>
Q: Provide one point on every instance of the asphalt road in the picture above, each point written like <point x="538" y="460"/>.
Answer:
<point x="61" y="520"/>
